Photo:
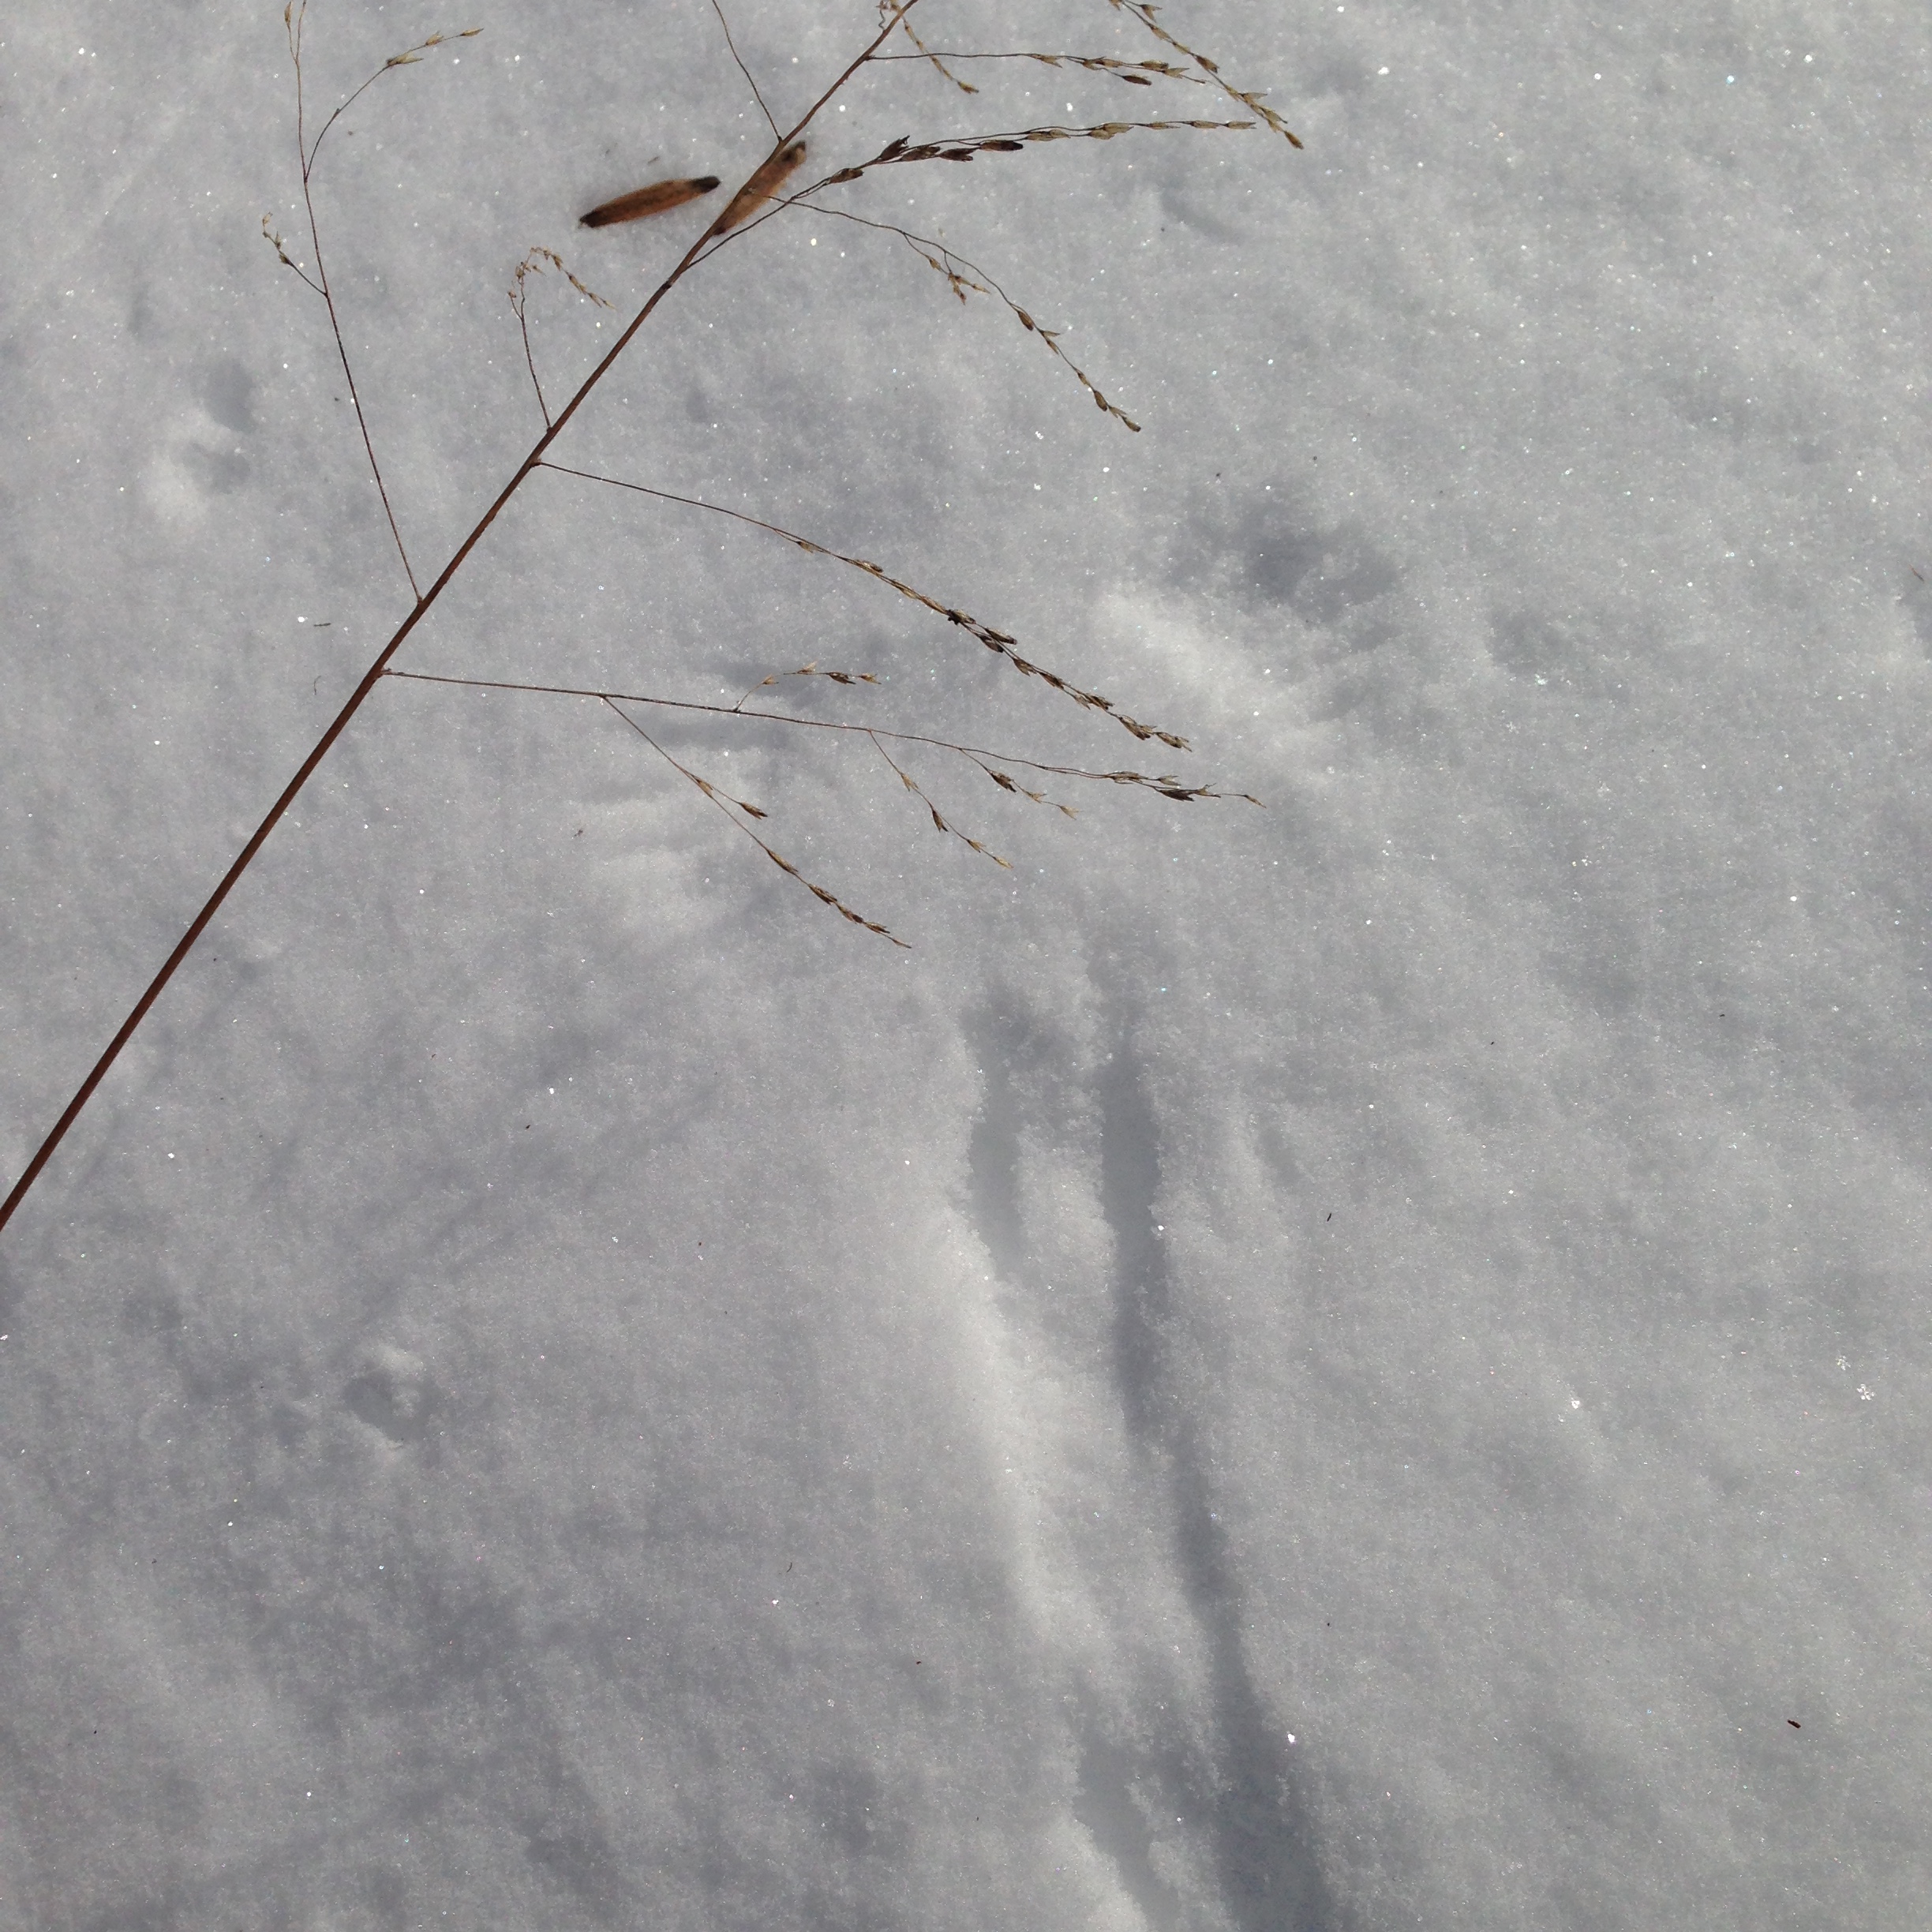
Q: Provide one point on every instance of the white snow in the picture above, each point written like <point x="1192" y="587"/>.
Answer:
<point x="558" y="1382"/>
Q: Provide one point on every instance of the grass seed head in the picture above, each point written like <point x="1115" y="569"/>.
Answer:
<point x="764" y="184"/>
<point x="656" y="198"/>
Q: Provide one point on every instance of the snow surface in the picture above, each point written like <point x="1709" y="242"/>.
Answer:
<point x="1355" y="1364"/>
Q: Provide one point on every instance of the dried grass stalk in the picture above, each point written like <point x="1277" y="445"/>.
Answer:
<point x="757" y="201"/>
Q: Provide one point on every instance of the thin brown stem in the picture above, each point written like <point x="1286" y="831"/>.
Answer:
<point x="307" y="155"/>
<point x="718" y="9"/>
<point x="529" y="360"/>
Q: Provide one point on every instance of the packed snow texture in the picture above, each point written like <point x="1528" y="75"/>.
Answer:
<point x="1356" y="1364"/>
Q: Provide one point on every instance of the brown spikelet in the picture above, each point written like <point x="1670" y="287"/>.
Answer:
<point x="653" y="200"/>
<point x="809" y="671"/>
<point x="770" y="176"/>
<point x="409" y="57"/>
<point x="712" y="791"/>
<point x="1007" y="783"/>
